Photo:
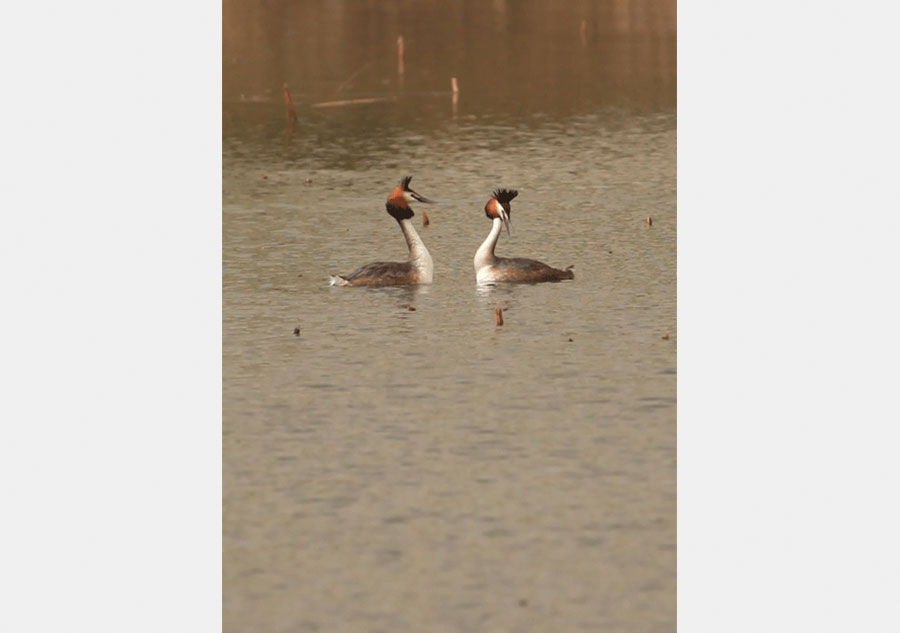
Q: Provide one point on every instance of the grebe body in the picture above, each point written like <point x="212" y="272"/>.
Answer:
<point x="418" y="269"/>
<point x="491" y="269"/>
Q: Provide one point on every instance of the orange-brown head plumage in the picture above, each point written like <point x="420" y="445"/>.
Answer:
<point x="398" y="194"/>
<point x="400" y="197"/>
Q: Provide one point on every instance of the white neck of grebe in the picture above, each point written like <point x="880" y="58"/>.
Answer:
<point x="484" y="256"/>
<point x="419" y="256"/>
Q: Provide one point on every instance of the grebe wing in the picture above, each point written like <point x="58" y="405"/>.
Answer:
<point x="521" y="263"/>
<point x="381" y="274"/>
<point x="531" y="270"/>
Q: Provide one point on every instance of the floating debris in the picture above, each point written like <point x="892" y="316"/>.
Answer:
<point x="425" y="220"/>
<point x="343" y="102"/>
<point x="410" y="308"/>
<point x="257" y="98"/>
<point x="297" y="331"/>
<point x="399" y="54"/>
<point x="523" y="602"/>
<point x="498" y="315"/>
<point x="665" y="336"/>
<point x="570" y="339"/>
<point x="649" y="221"/>
<point x="265" y="177"/>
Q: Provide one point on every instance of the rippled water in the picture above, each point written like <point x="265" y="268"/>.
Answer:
<point x="393" y="469"/>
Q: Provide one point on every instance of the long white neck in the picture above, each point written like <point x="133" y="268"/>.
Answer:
<point x="484" y="256"/>
<point x="419" y="256"/>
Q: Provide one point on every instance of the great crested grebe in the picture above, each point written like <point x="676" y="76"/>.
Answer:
<point x="419" y="269"/>
<point x="489" y="268"/>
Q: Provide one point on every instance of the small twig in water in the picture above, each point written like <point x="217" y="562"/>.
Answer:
<point x="347" y="81"/>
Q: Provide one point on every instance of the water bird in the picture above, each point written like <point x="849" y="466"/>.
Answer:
<point x="489" y="268"/>
<point x="418" y="269"/>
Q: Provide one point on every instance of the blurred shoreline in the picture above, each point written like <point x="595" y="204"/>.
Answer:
<point x="604" y="52"/>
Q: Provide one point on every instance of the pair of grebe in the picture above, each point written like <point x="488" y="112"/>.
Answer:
<point x="419" y="268"/>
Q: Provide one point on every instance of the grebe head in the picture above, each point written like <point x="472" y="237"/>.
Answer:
<point x="398" y="202"/>
<point x="402" y="195"/>
<point x="498" y="206"/>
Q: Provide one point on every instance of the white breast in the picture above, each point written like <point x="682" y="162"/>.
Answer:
<point x="485" y="274"/>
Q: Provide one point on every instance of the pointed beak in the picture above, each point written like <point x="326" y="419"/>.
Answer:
<point x="506" y="221"/>
<point x="420" y="198"/>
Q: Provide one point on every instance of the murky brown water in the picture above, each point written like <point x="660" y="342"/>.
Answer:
<point x="397" y="470"/>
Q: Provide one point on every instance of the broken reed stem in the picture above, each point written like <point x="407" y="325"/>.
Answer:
<point x="399" y="54"/>
<point x="290" y="110"/>
<point x="498" y="315"/>
<point x="454" y="100"/>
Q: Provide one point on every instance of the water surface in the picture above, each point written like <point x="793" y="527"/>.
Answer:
<point x="408" y="470"/>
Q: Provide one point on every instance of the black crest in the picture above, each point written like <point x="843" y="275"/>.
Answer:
<point x="404" y="182"/>
<point x="399" y="213"/>
<point x="505" y="195"/>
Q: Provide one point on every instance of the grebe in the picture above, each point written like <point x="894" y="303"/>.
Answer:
<point x="419" y="269"/>
<point x="489" y="268"/>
